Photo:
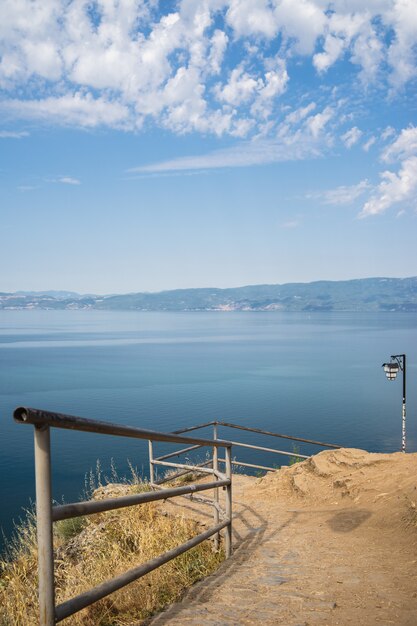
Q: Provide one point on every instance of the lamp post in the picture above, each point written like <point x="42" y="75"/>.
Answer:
<point x="398" y="363"/>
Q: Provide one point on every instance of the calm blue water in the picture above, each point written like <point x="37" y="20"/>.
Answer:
<point x="312" y="375"/>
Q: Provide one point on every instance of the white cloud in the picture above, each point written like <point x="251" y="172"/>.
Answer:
<point x="368" y="144"/>
<point x="68" y="180"/>
<point x="257" y="90"/>
<point x="301" y="20"/>
<point x="300" y="114"/>
<point x="117" y="63"/>
<point x="388" y="132"/>
<point x="239" y="89"/>
<point x="25" y="188"/>
<point x="333" y="47"/>
<point x="394" y="188"/>
<point x="351" y="137"/>
<point x="402" y="16"/>
<point x="343" y="195"/>
<point x="290" y="224"/>
<point x="405" y="145"/>
<point x="316" y="123"/>
<point x="10" y="134"/>
<point x="290" y="144"/>
<point x="74" y="109"/>
<point x="400" y="186"/>
<point x="218" y="48"/>
<point x="368" y="54"/>
<point x="252" y="17"/>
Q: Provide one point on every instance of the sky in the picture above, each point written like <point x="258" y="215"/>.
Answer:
<point x="150" y="145"/>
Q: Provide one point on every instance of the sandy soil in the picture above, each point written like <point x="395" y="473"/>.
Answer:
<point x="332" y="540"/>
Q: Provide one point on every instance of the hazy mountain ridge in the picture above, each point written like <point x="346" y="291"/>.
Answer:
<point x="367" y="294"/>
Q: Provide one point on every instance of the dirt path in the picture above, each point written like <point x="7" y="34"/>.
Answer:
<point x="331" y="541"/>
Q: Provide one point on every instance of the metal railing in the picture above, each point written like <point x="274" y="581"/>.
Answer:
<point x="46" y="514"/>
<point x="240" y="444"/>
<point x="186" y="468"/>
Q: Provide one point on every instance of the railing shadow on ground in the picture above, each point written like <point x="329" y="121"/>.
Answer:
<point x="204" y="590"/>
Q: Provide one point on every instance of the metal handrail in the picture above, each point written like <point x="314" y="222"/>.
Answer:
<point x="38" y="417"/>
<point x="253" y="447"/>
<point x="89" y="507"/>
<point x="217" y="423"/>
<point x="46" y="514"/>
<point x="101" y="591"/>
<point x="255" y="430"/>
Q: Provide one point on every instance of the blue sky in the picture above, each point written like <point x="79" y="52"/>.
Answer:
<point x="159" y="145"/>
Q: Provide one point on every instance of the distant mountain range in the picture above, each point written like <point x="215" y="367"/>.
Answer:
<point x="366" y="294"/>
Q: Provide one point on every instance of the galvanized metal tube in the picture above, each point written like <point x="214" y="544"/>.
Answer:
<point x="25" y="415"/>
<point x="101" y="591"/>
<point x="44" y="526"/>
<point x="190" y="428"/>
<point x="161" y="481"/>
<point x="228" y="531"/>
<point x="151" y="465"/>
<point x="193" y="468"/>
<point x="178" y="452"/>
<point x="201" y="499"/>
<point x="248" y="445"/>
<point x="204" y="470"/>
<point x="266" y="432"/>
<point x="262" y="467"/>
<point x="216" y="491"/>
<point x="89" y="507"/>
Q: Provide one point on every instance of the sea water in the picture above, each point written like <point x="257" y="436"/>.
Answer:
<point x="313" y="375"/>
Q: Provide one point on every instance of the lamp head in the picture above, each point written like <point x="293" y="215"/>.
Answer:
<point x="391" y="370"/>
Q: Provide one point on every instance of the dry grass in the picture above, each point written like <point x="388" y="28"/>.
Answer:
<point x="172" y="480"/>
<point x="91" y="551"/>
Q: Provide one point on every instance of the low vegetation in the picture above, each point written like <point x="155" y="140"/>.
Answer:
<point x="93" y="549"/>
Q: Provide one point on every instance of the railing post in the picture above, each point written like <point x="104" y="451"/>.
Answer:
<point x="151" y="465"/>
<point x="216" y="491"/>
<point x="44" y="526"/>
<point x="228" y="507"/>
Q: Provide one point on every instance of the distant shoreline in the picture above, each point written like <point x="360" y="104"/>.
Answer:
<point x="359" y="295"/>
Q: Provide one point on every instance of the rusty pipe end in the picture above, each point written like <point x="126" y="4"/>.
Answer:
<point x="20" y="415"/>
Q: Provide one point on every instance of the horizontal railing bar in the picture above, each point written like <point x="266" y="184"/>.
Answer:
<point x="39" y="417"/>
<point x="201" y="499"/>
<point x="248" y="445"/>
<point x="263" y="467"/>
<point x="266" y="432"/>
<point x="101" y="591"/>
<point x="165" y="479"/>
<point x="190" y="428"/>
<point x="206" y="501"/>
<point x="177" y="453"/>
<point x="67" y="511"/>
<point x="204" y="470"/>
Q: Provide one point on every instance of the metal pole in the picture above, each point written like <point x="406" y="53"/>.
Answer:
<point x="228" y="507"/>
<point x="216" y="491"/>
<point x="151" y="465"/>
<point x="44" y="526"/>
<point x="403" y="438"/>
